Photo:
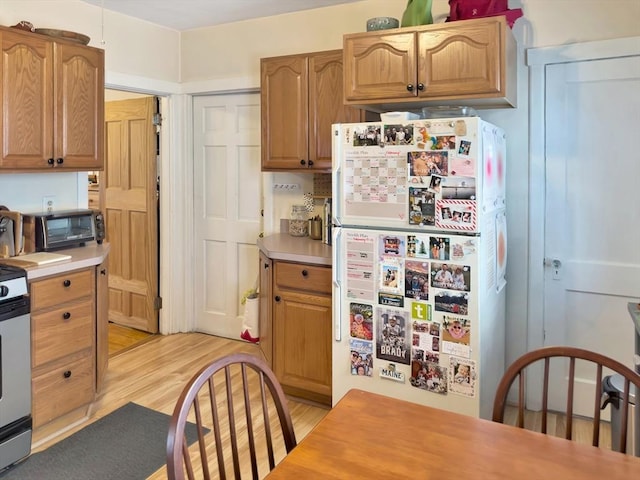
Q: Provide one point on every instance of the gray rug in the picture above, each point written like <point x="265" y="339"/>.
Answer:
<point x="127" y="444"/>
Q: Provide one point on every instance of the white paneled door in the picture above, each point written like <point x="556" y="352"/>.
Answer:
<point x="227" y="208"/>
<point x="592" y="213"/>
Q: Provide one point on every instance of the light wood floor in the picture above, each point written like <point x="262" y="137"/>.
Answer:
<point x="122" y="338"/>
<point x="154" y="372"/>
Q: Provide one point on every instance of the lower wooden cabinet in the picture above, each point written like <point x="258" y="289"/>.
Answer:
<point x="63" y="343"/>
<point x="301" y="311"/>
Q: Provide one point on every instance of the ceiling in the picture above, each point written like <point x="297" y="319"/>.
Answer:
<point x="189" y="14"/>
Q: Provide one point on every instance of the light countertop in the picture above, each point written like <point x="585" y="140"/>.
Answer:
<point x="90" y="255"/>
<point x="283" y="246"/>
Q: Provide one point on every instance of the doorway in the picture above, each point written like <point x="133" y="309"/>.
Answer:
<point x="588" y="219"/>
<point x="129" y="198"/>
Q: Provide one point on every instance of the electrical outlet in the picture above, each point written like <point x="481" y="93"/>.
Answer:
<point x="48" y="203"/>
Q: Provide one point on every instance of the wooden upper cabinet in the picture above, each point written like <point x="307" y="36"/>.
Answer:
<point x="79" y="136"/>
<point x="52" y="104"/>
<point x="301" y="97"/>
<point x="471" y="62"/>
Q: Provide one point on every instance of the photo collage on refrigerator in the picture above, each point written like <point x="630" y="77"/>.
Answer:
<point x="408" y="299"/>
<point x="409" y="293"/>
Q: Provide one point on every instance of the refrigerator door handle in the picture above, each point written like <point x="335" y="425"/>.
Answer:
<point x="336" y="176"/>
<point x="337" y="285"/>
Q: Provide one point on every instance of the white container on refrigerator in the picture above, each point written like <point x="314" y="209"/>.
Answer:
<point x="406" y="207"/>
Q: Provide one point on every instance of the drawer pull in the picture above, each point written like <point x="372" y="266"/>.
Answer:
<point x="277" y="298"/>
<point x="67" y="374"/>
<point x="66" y="315"/>
<point x="67" y="283"/>
<point x="305" y="273"/>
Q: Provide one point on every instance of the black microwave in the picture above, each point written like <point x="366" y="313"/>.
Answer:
<point x="62" y="229"/>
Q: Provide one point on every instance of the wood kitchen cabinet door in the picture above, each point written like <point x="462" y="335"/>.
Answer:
<point x="26" y="122"/>
<point x="461" y="60"/>
<point x="326" y="105"/>
<point x="379" y="66"/>
<point x="79" y="137"/>
<point x="266" y="300"/>
<point x="52" y="104"/>
<point x="285" y="106"/>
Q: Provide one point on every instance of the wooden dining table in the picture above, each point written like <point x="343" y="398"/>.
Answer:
<point x="377" y="437"/>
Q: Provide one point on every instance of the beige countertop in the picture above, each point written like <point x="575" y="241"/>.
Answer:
<point x="81" y="257"/>
<point x="283" y="246"/>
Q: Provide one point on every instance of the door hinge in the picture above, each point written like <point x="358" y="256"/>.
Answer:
<point x="157" y="303"/>
<point x="157" y="119"/>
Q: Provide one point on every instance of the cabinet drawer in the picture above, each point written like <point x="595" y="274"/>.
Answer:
<point x="61" y="288"/>
<point x="303" y="277"/>
<point x="62" y="390"/>
<point x="60" y="332"/>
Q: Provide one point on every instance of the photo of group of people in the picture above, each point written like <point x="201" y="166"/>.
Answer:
<point x="452" y="277"/>
<point x="422" y="206"/>
<point x="361" y="357"/>
<point x="457" y="216"/>
<point x="426" y="246"/>
<point x="427" y="163"/>
<point x="398" y="134"/>
<point x="429" y="376"/>
<point x="367" y="136"/>
<point x="416" y="279"/>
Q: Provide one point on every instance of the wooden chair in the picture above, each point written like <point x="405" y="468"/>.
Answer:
<point x="544" y="355"/>
<point x="214" y="399"/>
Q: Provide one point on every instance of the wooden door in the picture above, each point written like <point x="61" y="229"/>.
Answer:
<point x="379" y="66"/>
<point x="326" y="105"/>
<point x="592" y="231"/>
<point x="302" y="333"/>
<point x="458" y="60"/>
<point x="131" y="212"/>
<point x="227" y="208"/>
<point x="79" y="107"/>
<point x="284" y="100"/>
<point x="26" y="123"/>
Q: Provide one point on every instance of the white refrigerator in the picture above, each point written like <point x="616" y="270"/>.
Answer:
<point x="419" y="259"/>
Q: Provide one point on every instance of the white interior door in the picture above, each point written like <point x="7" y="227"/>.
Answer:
<point x="227" y="208"/>
<point x="592" y="212"/>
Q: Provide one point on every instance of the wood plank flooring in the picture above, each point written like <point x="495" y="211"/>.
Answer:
<point x="154" y="372"/>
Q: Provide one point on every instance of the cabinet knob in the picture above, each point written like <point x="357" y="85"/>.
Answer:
<point x="310" y="163"/>
<point x="410" y="87"/>
<point x="303" y="162"/>
<point x="67" y="374"/>
<point x="103" y="271"/>
<point x="266" y="266"/>
<point x="305" y="273"/>
<point x="277" y="298"/>
<point x="66" y="315"/>
<point x="67" y="283"/>
<point x="59" y="161"/>
<point x="421" y="86"/>
<point x="50" y="161"/>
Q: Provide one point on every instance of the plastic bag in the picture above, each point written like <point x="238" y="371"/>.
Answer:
<point x="467" y="9"/>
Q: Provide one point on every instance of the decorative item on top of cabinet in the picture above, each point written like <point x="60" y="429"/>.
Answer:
<point x="57" y="122"/>
<point x="471" y="62"/>
<point x="301" y="97"/>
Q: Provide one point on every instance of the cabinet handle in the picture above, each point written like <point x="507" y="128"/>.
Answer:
<point x="67" y="374"/>
<point x="311" y="163"/>
<point x="410" y="87"/>
<point x="66" y="315"/>
<point x="59" y="161"/>
<point x="277" y="298"/>
<point x="67" y="283"/>
<point x="103" y="271"/>
<point x="50" y="161"/>
<point x="421" y="86"/>
<point x="266" y="266"/>
<point x="303" y="163"/>
<point x="304" y="273"/>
